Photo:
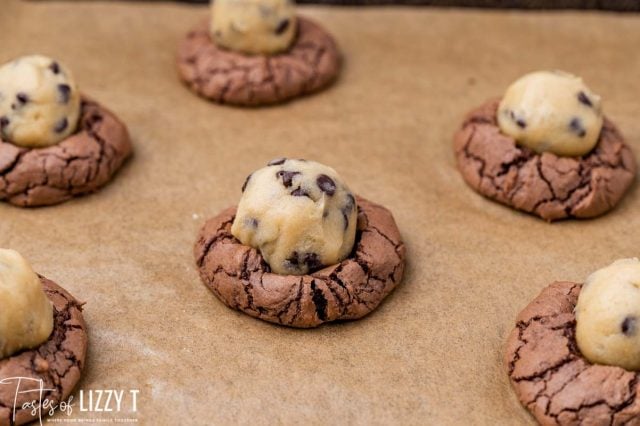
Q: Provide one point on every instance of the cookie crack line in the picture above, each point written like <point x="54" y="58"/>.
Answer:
<point x="545" y="185"/>
<point x="241" y="279"/>
<point x="564" y="391"/>
<point x="58" y="362"/>
<point x="80" y="164"/>
<point x="311" y="64"/>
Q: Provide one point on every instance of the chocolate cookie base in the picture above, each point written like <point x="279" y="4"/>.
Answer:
<point x="552" y="378"/>
<point x="546" y="185"/>
<point x="239" y="277"/>
<point x="58" y="362"/>
<point x="80" y="164"/>
<point x="228" y="77"/>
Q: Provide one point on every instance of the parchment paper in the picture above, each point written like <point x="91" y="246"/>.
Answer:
<point x="431" y="354"/>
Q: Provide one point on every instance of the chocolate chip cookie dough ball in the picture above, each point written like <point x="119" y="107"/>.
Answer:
<point x="608" y="315"/>
<point x="39" y="102"/>
<point x="551" y="111"/>
<point x="253" y="26"/>
<point x="299" y="214"/>
<point x="26" y="314"/>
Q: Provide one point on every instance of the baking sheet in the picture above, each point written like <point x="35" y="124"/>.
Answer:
<point x="432" y="352"/>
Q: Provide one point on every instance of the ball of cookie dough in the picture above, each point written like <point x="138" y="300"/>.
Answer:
<point x="299" y="214"/>
<point x="253" y="26"/>
<point x="608" y="315"/>
<point x="26" y="314"/>
<point x="551" y="111"/>
<point x="39" y="102"/>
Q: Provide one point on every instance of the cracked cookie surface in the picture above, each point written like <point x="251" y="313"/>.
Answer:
<point x="80" y="164"/>
<point x="239" y="277"/>
<point x="224" y="76"/>
<point x="546" y="185"/>
<point x="58" y="362"/>
<point x="551" y="377"/>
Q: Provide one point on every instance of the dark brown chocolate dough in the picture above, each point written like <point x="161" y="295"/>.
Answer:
<point x="551" y="377"/>
<point x="546" y="185"/>
<point x="224" y="76"/>
<point x="58" y="362"/>
<point x="80" y="164"/>
<point x="239" y="277"/>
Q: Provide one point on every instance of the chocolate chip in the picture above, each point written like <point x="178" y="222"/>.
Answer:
<point x="54" y="67"/>
<point x="65" y="93"/>
<point x="346" y="210"/>
<point x="350" y="204"/>
<point x="252" y="222"/>
<point x="246" y="182"/>
<point x="22" y="97"/>
<point x="326" y="184"/>
<point x="276" y="161"/>
<point x="629" y="326"/>
<point x="287" y="177"/>
<point x="4" y="122"/>
<point x="576" y="127"/>
<point x="282" y="26"/>
<point x="312" y="260"/>
<point x="584" y="99"/>
<point x="299" y="192"/>
<point x="61" y="125"/>
<point x="521" y="123"/>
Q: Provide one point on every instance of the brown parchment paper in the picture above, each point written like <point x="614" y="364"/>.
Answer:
<point x="431" y="354"/>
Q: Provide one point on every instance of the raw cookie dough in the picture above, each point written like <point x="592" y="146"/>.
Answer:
<point x="253" y="26"/>
<point x="550" y="376"/>
<point x="608" y="315"/>
<point x="39" y="102"/>
<point x="298" y="214"/>
<point x="58" y="362"/>
<point x="26" y="315"/>
<point x="239" y="277"/>
<point x="224" y="76"/>
<point x="551" y="111"/>
<point x="546" y="185"/>
<point x="81" y="164"/>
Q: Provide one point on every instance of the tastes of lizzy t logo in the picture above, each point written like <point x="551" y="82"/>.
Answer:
<point x="91" y="401"/>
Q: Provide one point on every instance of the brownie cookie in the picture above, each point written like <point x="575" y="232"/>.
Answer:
<point x="311" y="63"/>
<point x="547" y="185"/>
<point x="58" y="362"/>
<point x="80" y="164"/>
<point x="238" y="275"/>
<point x="552" y="378"/>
